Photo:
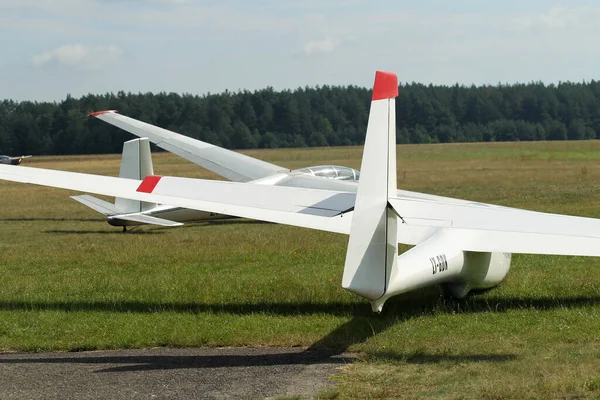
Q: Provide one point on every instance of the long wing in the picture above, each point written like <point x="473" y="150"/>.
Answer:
<point x="475" y="227"/>
<point x="316" y="209"/>
<point x="229" y="164"/>
<point x="487" y="228"/>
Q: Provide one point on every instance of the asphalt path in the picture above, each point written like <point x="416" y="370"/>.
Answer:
<point x="163" y="373"/>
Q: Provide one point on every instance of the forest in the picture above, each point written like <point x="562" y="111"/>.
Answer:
<point x="319" y="116"/>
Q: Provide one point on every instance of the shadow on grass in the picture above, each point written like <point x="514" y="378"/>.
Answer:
<point x="285" y="309"/>
<point x="104" y="232"/>
<point x="202" y="224"/>
<point x="138" y="230"/>
<point x="232" y="221"/>
<point x="361" y="326"/>
<point x="51" y="219"/>
<point x="243" y="357"/>
<point x="400" y="308"/>
<point x="424" y="358"/>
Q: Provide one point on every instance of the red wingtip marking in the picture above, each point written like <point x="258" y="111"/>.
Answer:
<point x="386" y="85"/>
<point x="149" y="183"/>
<point x="95" y="114"/>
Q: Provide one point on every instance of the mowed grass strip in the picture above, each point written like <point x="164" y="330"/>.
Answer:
<point x="69" y="281"/>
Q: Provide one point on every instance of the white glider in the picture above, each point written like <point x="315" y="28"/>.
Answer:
<point x="459" y="245"/>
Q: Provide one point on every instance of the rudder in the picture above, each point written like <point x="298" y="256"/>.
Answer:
<point x="373" y="246"/>
<point x="136" y="163"/>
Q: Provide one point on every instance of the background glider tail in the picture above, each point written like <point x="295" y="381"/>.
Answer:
<point x="373" y="246"/>
<point x="136" y="163"/>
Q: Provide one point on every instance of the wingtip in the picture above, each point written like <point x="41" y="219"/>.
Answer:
<point x="96" y="113"/>
<point x="385" y="86"/>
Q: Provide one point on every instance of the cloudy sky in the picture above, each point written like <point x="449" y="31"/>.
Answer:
<point x="54" y="47"/>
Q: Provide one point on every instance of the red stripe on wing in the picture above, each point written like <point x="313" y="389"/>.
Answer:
<point x="149" y="183"/>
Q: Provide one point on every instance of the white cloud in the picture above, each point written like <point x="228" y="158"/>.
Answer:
<point x="558" y="17"/>
<point x="311" y="4"/>
<point x="79" y="56"/>
<point x="562" y="17"/>
<point x="320" y="46"/>
<point x="172" y="1"/>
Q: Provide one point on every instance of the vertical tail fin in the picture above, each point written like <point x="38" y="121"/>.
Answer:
<point x="136" y="163"/>
<point x="373" y="245"/>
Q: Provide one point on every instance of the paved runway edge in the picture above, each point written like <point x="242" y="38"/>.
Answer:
<point x="220" y="373"/>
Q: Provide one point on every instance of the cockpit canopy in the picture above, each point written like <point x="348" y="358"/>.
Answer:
<point x="332" y="172"/>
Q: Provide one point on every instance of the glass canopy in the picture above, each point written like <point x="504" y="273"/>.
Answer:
<point x="332" y="172"/>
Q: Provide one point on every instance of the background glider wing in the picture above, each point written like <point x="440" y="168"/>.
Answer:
<point x="229" y="164"/>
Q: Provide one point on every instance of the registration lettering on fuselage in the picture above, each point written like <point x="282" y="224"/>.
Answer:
<point x="439" y="263"/>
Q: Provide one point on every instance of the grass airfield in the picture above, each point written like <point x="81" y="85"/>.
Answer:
<point x="69" y="281"/>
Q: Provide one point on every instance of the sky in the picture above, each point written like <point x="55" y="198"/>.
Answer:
<point x="51" y="48"/>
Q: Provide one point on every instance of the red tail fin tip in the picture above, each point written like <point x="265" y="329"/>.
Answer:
<point x="95" y="114"/>
<point x="385" y="86"/>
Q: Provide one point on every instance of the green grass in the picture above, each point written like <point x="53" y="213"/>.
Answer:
<point x="69" y="281"/>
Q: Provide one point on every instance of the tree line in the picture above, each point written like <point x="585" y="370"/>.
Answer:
<point x="320" y="116"/>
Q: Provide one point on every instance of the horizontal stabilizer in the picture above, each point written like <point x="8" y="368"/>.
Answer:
<point x="145" y="219"/>
<point x="103" y="207"/>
